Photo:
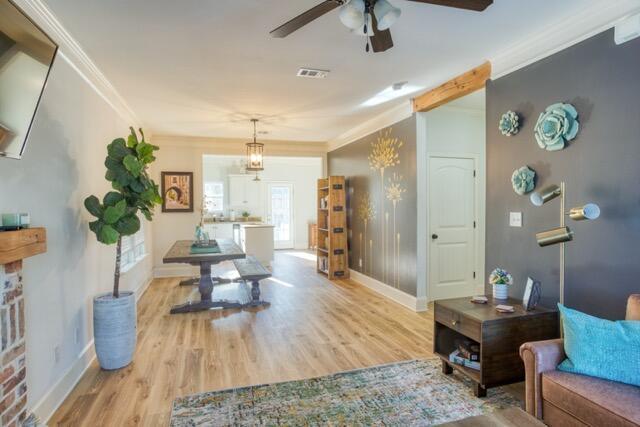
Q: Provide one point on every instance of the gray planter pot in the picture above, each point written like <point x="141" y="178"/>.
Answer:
<point x="114" y="329"/>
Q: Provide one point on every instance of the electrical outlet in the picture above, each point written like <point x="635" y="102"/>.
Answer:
<point x="515" y="219"/>
<point x="56" y="354"/>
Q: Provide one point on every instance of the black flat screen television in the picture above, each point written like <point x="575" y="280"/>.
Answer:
<point x="26" y="57"/>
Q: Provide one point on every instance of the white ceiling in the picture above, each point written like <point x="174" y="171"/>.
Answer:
<point x="204" y="67"/>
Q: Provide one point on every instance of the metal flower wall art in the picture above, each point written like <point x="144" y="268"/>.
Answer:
<point x="557" y="125"/>
<point x="385" y="153"/>
<point x="509" y="123"/>
<point x="523" y="180"/>
<point x="394" y="195"/>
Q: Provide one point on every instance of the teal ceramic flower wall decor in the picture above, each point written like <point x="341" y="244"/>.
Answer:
<point x="557" y="125"/>
<point x="509" y="123"/>
<point x="523" y="180"/>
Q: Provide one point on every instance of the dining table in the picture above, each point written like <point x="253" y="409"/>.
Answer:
<point x="181" y="253"/>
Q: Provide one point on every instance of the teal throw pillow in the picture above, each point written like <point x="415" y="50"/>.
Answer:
<point x="601" y="348"/>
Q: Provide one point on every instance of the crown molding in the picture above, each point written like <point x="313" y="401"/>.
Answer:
<point x="71" y="51"/>
<point x="400" y="112"/>
<point x="594" y="18"/>
<point x="236" y="146"/>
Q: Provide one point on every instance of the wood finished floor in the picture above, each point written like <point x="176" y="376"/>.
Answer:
<point x="314" y="327"/>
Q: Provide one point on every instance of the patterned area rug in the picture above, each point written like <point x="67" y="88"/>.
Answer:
<point x="412" y="393"/>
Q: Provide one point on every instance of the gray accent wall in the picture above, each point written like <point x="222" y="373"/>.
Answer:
<point x="602" y="165"/>
<point x="372" y="251"/>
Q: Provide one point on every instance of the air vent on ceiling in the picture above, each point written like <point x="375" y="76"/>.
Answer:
<point x="310" y="73"/>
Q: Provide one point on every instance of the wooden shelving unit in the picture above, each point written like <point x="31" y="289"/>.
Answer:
<point x="332" y="248"/>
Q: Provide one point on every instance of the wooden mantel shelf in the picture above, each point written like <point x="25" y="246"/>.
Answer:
<point x="21" y="244"/>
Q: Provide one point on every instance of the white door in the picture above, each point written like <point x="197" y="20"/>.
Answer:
<point x="452" y="207"/>
<point x="280" y="214"/>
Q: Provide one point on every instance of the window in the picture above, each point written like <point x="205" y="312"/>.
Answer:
<point x="133" y="249"/>
<point x="214" y="196"/>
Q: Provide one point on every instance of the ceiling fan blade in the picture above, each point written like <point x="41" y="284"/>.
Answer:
<point x="477" y="5"/>
<point x="381" y="40"/>
<point x="303" y="19"/>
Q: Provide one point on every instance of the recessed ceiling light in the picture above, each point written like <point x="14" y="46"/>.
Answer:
<point x="391" y="93"/>
<point x="312" y="73"/>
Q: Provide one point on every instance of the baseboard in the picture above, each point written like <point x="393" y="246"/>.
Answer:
<point x="52" y="400"/>
<point x="396" y="295"/>
<point x="57" y="394"/>
<point x="175" y="271"/>
<point x="142" y="289"/>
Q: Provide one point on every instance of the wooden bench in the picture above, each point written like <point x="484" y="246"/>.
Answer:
<point x="250" y="270"/>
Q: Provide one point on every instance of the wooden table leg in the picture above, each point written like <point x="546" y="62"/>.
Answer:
<point x="446" y="369"/>
<point x="255" y="296"/>
<point x="206" y="289"/>
<point x="479" y="390"/>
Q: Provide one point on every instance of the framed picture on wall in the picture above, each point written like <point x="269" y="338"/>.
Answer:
<point x="177" y="191"/>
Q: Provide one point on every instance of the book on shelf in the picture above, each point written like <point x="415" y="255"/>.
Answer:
<point x="469" y="350"/>
<point x="456" y="358"/>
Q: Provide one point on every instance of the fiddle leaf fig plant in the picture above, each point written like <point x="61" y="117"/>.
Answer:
<point x="134" y="191"/>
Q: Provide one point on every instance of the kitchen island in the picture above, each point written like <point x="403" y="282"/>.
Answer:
<point x="254" y="237"/>
<point x="257" y="240"/>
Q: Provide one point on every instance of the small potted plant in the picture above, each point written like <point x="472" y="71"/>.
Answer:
<point x="114" y="313"/>
<point x="246" y="215"/>
<point x="500" y="279"/>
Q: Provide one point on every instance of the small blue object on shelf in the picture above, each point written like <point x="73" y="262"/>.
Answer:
<point x="14" y="221"/>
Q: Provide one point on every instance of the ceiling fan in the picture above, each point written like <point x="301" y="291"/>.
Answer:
<point x="370" y="18"/>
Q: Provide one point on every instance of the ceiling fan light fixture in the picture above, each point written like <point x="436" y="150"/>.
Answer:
<point x="352" y="14"/>
<point x="386" y="14"/>
<point x="360" y="30"/>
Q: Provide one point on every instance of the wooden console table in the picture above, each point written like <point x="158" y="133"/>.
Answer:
<point x="500" y="336"/>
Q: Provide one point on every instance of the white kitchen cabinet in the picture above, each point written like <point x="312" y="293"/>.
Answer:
<point x="219" y="230"/>
<point x="237" y="191"/>
<point x="245" y="194"/>
<point x="253" y="193"/>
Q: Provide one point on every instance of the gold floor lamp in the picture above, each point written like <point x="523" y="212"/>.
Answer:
<point x="561" y="235"/>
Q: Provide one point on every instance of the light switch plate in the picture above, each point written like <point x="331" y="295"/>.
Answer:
<point x="515" y="219"/>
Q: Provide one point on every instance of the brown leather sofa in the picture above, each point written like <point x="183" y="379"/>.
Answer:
<point x="564" y="399"/>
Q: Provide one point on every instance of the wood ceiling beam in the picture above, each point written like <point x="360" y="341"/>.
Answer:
<point x="457" y="87"/>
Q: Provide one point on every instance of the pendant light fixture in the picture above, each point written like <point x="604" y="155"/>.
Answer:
<point x="255" y="158"/>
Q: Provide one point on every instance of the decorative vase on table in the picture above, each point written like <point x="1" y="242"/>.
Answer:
<point x="500" y="279"/>
<point x="500" y="291"/>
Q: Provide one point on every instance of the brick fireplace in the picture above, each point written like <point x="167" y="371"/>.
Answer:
<point x="14" y="372"/>
<point x="14" y="247"/>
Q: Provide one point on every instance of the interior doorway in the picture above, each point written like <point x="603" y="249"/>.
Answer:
<point x="451" y="198"/>
<point x="452" y="220"/>
<point x="280" y="214"/>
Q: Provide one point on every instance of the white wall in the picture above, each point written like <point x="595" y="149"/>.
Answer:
<point x="301" y="172"/>
<point x="185" y="154"/>
<point x="62" y="164"/>
<point x="452" y="129"/>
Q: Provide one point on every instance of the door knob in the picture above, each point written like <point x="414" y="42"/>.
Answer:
<point x="434" y="236"/>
